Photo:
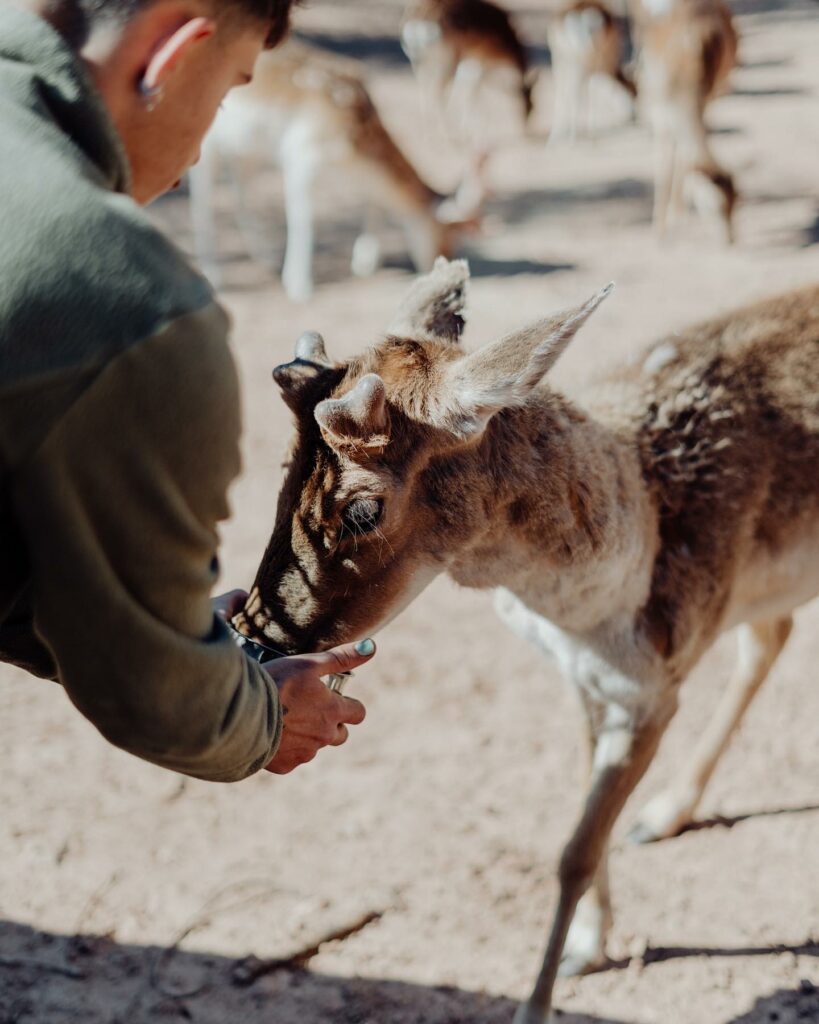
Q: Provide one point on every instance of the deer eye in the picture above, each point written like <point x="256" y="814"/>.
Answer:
<point x="362" y="515"/>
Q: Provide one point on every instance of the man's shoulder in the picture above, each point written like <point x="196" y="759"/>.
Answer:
<point x="86" y="280"/>
<point x="83" y="275"/>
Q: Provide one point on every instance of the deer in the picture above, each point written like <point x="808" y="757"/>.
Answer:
<point x="456" y="49"/>
<point x="688" y="49"/>
<point x="311" y="111"/>
<point x="621" y="531"/>
<point x="585" y="40"/>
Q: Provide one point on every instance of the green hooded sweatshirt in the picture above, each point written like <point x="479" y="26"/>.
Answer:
<point x="119" y="436"/>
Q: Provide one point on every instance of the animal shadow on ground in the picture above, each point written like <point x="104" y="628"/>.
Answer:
<point x="723" y="821"/>
<point x="377" y="50"/>
<point x="94" y="980"/>
<point x="780" y="90"/>
<point x="811" y="233"/>
<point x="485" y="266"/>
<point x="785" y="1006"/>
<point x="788" y="8"/>
<point x="631" y="201"/>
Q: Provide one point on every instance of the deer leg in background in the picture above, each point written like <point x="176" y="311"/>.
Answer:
<point x="758" y="647"/>
<point x="664" y="161"/>
<point x="242" y="169"/>
<point x="568" y="85"/>
<point x="435" y="72"/>
<point x="463" y="96"/>
<point x="300" y="161"/>
<point x="201" y="180"/>
<point x="586" y="940"/>
<point x="622" y="752"/>
<point x="366" y="257"/>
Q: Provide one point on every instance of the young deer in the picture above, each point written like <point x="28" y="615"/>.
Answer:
<point x="688" y="49"/>
<point x="623" y="535"/>
<point x="457" y="48"/>
<point x="585" y="40"/>
<point x="310" y="111"/>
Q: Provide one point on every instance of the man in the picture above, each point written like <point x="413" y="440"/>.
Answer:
<point x="119" y="415"/>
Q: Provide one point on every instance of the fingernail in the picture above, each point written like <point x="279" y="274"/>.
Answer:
<point x="365" y="647"/>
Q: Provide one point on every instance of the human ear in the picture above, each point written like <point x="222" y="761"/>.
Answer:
<point x="172" y="50"/>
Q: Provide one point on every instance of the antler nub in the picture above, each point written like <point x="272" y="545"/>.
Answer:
<point x="311" y="359"/>
<point x="359" y="415"/>
<point x="310" y="347"/>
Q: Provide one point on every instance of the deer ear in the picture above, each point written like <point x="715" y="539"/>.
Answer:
<point x="357" y="419"/>
<point x="504" y="373"/>
<point x="433" y="308"/>
<point x="311" y="360"/>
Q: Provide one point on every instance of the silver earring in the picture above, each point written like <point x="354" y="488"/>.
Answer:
<point x="151" y="95"/>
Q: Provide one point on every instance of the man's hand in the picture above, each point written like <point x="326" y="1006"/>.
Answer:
<point x="229" y="604"/>
<point x="314" y="716"/>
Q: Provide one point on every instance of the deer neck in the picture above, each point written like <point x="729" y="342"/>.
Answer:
<point x="562" y="516"/>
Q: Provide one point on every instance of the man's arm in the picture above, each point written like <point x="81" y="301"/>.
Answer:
<point x="119" y="508"/>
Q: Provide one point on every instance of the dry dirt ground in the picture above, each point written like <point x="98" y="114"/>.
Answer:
<point x="131" y="895"/>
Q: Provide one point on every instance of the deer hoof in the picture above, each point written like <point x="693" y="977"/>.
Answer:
<point x="298" y="287"/>
<point x="366" y="256"/>
<point x="576" y="965"/>
<point x="661" y="818"/>
<point x="584" y="949"/>
<point x="526" y="1014"/>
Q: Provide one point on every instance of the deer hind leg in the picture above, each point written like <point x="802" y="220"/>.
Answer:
<point x="759" y="645"/>
<point x="568" y="102"/>
<point x="366" y="257"/>
<point x="622" y="752"/>
<point x="201" y="181"/>
<point x="242" y="171"/>
<point x="463" y="98"/>
<point x="665" y="159"/>
<point x="585" y="946"/>
<point x="300" y="162"/>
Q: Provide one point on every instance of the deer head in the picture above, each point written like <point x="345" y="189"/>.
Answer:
<point x="392" y="468"/>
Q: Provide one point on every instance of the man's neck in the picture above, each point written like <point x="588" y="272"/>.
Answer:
<point x="570" y="526"/>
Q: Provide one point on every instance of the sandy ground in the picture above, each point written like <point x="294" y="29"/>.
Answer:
<point x="131" y="895"/>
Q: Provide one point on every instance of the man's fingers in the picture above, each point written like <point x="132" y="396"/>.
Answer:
<point x="285" y="762"/>
<point x="228" y="604"/>
<point x="342" y="659"/>
<point x="352" y="711"/>
<point x="340" y="737"/>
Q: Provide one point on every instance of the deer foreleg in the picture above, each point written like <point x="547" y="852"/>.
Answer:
<point x="759" y="646"/>
<point x="243" y="168"/>
<point x="568" y="102"/>
<point x="366" y="256"/>
<point x="201" y="180"/>
<point x="622" y="752"/>
<point x="299" y="167"/>
<point x="665" y="158"/>
<point x="463" y="98"/>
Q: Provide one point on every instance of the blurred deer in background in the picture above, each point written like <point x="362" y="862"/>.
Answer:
<point x="311" y="111"/>
<point x="688" y="49"/>
<point x="585" y="40"/>
<point x="458" y="50"/>
<point x="623" y="535"/>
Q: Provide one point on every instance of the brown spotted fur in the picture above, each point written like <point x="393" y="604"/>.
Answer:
<point x="677" y="498"/>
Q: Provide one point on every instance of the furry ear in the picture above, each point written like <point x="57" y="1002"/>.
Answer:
<point x="433" y="308"/>
<point x="357" y="419"/>
<point x="311" y="360"/>
<point x="504" y="373"/>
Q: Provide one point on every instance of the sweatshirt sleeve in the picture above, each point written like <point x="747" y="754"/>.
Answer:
<point x="119" y="507"/>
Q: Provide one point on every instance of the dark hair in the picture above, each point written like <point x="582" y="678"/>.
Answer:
<point x="74" y="18"/>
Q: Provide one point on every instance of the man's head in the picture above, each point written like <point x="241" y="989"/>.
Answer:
<point x="163" y="67"/>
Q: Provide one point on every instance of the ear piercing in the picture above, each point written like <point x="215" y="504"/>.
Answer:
<point x="151" y="95"/>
